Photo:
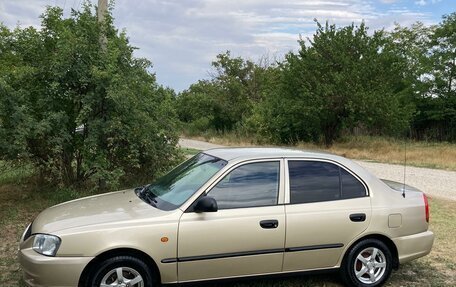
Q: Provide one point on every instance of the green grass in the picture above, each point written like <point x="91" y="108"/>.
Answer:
<point x="15" y="172"/>
<point x="21" y="199"/>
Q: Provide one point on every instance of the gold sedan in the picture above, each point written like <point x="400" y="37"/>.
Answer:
<point x="229" y="213"/>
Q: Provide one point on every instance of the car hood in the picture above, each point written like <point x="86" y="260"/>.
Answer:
<point x="105" y="208"/>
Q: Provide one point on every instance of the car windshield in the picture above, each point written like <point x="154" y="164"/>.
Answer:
<point x="176" y="187"/>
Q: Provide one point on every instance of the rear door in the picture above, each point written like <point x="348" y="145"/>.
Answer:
<point x="327" y="207"/>
<point x="246" y="236"/>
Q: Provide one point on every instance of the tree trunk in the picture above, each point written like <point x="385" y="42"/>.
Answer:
<point x="329" y="133"/>
<point x="67" y="168"/>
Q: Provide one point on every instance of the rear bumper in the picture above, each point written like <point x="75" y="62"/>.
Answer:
<point x="414" y="246"/>
<point x="40" y="270"/>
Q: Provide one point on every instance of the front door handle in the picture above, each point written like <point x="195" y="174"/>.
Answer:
<point x="358" y="217"/>
<point x="269" y="224"/>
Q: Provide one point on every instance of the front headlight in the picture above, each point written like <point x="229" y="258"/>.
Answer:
<point x="46" y="244"/>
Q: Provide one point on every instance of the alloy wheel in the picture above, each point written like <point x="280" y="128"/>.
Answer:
<point x="370" y="265"/>
<point x="122" y="277"/>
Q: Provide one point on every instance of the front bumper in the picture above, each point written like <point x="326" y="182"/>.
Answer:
<point x="414" y="246"/>
<point x="40" y="270"/>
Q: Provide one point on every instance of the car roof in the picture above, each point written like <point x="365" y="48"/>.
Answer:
<point x="246" y="153"/>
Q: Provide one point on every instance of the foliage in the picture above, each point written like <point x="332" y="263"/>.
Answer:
<point x="197" y="107"/>
<point x="343" y="78"/>
<point x="79" y="111"/>
<point x="225" y="101"/>
<point x="437" y="102"/>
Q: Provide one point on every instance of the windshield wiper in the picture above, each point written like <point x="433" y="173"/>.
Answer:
<point x="150" y="198"/>
<point x="144" y="193"/>
<point x="139" y="190"/>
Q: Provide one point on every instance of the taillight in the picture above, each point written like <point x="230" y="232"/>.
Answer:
<point x="426" y="207"/>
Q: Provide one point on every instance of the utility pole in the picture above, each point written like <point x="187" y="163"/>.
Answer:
<point x="101" y="13"/>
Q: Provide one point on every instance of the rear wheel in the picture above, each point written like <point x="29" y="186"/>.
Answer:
<point x="122" y="271"/>
<point x="369" y="263"/>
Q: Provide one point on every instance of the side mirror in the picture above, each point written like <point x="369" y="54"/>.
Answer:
<point x="206" y="204"/>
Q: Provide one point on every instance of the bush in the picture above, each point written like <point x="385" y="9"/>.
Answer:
<point x="79" y="111"/>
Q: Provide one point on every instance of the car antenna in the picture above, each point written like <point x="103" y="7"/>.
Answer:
<point x="405" y="164"/>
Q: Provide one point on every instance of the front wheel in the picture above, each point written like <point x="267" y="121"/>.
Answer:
<point x="369" y="263"/>
<point x="122" y="271"/>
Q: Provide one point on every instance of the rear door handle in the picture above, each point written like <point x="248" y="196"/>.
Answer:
<point x="269" y="224"/>
<point x="358" y="217"/>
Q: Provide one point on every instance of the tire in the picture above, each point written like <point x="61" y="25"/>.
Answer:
<point x="361" y="270"/>
<point x="130" y="271"/>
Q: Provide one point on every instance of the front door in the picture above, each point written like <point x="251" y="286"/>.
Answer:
<point x="246" y="236"/>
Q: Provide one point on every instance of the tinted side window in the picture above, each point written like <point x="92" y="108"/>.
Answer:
<point x="254" y="184"/>
<point x="351" y="187"/>
<point x="312" y="181"/>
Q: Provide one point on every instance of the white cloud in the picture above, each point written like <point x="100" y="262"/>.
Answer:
<point x="21" y="12"/>
<point x="183" y="37"/>
<point x="426" y="2"/>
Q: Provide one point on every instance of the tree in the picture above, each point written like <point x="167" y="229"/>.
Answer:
<point x="439" y="107"/>
<point x="76" y="111"/>
<point x="225" y="101"/>
<point x="430" y="54"/>
<point x="412" y="44"/>
<point x="444" y="55"/>
<point x="340" y="79"/>
<point x="196" y="106"/>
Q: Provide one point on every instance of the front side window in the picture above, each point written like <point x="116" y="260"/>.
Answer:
<point x="176" y="187"/>
<point x="314" y="181"/>
<point x="250" y="185"/>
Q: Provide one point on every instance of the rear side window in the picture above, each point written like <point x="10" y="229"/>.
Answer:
<point x="253" y="184"/>
<point x="314" y="181"/>
<point x="351" y="187"/>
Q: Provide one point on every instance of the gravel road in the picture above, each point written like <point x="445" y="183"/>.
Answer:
<point x="434" y="182"/>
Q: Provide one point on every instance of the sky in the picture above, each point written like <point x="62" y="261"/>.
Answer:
<point x="183" y="37"/>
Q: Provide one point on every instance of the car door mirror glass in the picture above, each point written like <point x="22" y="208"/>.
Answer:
<point x="206" y="204"/>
